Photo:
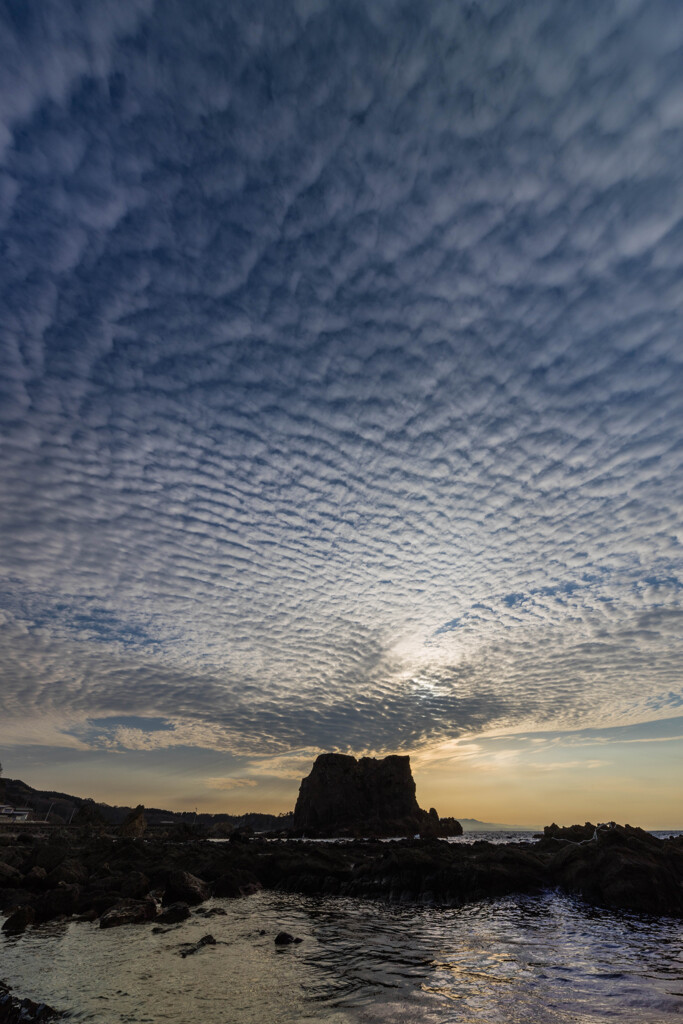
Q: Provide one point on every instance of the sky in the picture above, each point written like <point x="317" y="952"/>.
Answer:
<point x="341" y="400"/>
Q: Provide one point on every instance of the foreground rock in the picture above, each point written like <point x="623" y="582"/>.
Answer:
<point x="343" y="796"/>
<point x="187" y="888"/>
<point x="23" y="1011"/>
<point x="193" y="947"/>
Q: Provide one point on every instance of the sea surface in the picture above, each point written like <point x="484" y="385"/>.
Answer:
<point x="532" y="959"/>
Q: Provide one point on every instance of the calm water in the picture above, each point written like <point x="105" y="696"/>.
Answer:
<point x="524" y="959"/>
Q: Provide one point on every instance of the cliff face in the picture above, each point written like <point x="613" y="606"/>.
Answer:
<point x="345" y="796"/>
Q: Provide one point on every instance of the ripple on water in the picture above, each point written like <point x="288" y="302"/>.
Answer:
<point x="524" y="959"/>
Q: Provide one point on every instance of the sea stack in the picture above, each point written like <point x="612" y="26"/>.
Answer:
<point x="369" y="796"/>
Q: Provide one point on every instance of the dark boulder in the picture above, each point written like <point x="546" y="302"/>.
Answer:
<point x="51" y="854"/>
<point x="129" y="912"/>
<point x="189" y="949"/>
<point x="70" y="871"/>
<point x="135" y="885"/>
<point x="285" y="939"/>
<point x="36" y="877"/>
<point x="62" y="901"/>
<point x="175" y="913"/>
<point x="236" y="883"/>
<point x="9" y="875"/>
<point x="572" y="833"/>
<point x="19" y="920"/>
<point x="182" y="886"/>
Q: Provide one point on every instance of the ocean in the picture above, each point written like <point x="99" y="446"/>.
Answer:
<point x="532" y="959"/>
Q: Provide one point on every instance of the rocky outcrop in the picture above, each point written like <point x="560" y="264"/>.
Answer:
<point x="23" y="1011"/>
<point x="369" y="797"/>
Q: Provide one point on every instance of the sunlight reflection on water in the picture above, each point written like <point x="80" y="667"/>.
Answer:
<point x="532" y="959"/>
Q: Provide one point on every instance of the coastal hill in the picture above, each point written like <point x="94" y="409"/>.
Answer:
<point x="61" y="808"/>
<point x="371" y="796"/>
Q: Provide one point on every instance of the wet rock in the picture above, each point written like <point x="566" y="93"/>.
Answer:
<point x="50" y="855"/>
<point x="19" y="920"/>
<point x="10" y="899"/>
<point x="69" y="871"/>
<point x="174" y="913"/>
<point x="135" y="885"/>
<point x="23" y="1011"/>
<point x="36" y="877"/>
<point x="236" y="883"/>
<point x="206" y="940"/>
<point x="129" y="912"/>
<point x="9" y="875"/>
<point x="89" y="915"/>
<point x="64" y="900"/>
<point x="572" y="833"/>
<point x="624" y="868"/>
<point x="187" y="888"/>
<point x="285" y="939"/>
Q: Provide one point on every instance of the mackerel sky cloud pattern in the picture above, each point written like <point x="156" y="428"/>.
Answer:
<point x="341" y="383"/>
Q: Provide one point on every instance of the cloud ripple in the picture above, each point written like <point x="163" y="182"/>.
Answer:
<point x="342" y="384"/>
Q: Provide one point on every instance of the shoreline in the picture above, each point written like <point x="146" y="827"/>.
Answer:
<point x="115" y="880"/>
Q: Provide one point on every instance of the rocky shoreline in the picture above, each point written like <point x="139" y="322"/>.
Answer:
<point x="119" y="880"/>
<point x="122" y="879"/>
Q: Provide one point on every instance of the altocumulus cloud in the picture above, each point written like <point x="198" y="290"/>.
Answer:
<point x="341" y="384"/>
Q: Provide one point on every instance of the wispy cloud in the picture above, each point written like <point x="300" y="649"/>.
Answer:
<point x="228" y="783"/>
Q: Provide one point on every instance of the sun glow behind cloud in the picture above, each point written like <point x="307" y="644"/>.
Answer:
<point x="342" y="384"/>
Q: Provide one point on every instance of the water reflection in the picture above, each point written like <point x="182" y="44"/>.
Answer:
<point x="532" y="959"/>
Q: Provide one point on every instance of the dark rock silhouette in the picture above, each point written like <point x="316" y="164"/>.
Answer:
<point x="128" y="912"/>
<point x="370" y="796"/>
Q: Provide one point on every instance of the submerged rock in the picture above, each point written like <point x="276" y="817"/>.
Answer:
<point x="206" y="940"/>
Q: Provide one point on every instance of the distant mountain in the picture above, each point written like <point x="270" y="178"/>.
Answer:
<point x="474" y="825"/>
